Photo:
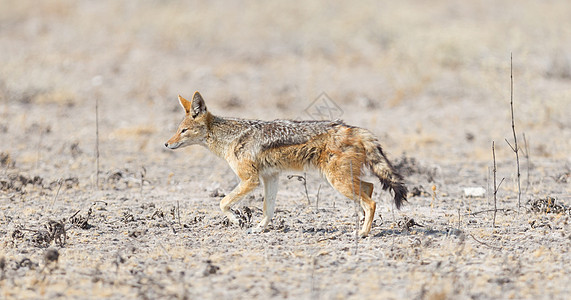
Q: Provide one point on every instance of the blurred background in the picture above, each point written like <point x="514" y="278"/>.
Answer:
<point x="430" y="78"/>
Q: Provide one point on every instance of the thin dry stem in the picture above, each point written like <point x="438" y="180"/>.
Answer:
<point x="495" y="187"/>
<point x="488" y="210"/>
<point x="60" y="181"/>
<point x="485" y="244"/>
<point x="304" y="180"/>
<point x="515" y="148"/>
<point x="356" y="210"/>
<point x="97" y="143"/>
<point x="305" y="187"/>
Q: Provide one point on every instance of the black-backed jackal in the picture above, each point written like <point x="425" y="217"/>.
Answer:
<point x="260" y="150"/>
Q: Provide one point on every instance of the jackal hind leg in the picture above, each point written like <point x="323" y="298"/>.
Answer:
<point x="368" y="206"/>
<point x="270" y="192"/>
<point x="367" y="189"/>
<point x="350" y="189"/>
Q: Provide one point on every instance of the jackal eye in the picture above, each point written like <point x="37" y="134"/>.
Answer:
<point x="183" y="130"/>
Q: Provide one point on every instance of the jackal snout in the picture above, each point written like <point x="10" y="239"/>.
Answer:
<point x="171" y="144"/>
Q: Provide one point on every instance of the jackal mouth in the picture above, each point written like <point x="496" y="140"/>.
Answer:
<point x="173" y="145"/>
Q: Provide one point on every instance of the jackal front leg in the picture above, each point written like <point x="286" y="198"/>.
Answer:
<point x="270" y="192"/>
<point x="236" y="195"/>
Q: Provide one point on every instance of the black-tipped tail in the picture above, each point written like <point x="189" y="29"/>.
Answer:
<point x="401" y="192"/>
<point x="387" y="174"/>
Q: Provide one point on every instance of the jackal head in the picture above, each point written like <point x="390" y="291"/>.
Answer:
<point x="194" y="127"/>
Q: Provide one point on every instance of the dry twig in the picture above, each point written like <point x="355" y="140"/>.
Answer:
<point x="488" y="210"/>
<point x="96" y="143"/>
<point x="356" y="208"/>
<point x="60" y="181"/>
<point x="515" y="148"/>
<point x="495" y="186"/>
<point x="485" y="244"/>
<point x="302" y="179"/>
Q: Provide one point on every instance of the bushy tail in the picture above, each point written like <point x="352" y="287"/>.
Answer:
<point x="383" y="169"/>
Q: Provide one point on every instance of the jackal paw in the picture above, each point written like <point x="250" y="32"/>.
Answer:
<point x="361" y="233"/>
<point x="232" y="218"/>
<point x="240" y="217"/>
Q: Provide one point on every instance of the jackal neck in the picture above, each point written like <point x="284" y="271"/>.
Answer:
<point x="221" y="132"/>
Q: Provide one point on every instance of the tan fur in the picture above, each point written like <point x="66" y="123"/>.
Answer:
<point x="260" y="150"/>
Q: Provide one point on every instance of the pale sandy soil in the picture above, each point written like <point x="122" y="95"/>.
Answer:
<point x="430" y="78"/>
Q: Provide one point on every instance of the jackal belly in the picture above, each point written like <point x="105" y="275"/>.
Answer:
<point x="293" y="157"/>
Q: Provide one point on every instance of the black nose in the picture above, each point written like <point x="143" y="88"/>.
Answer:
<point x="167" y="145"/>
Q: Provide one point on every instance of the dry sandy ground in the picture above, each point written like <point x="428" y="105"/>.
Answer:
<point x="430" y="78"/>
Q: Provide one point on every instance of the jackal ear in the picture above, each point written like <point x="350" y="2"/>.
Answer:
<point x="184" y="103"/>
<point x="198" y="105"/>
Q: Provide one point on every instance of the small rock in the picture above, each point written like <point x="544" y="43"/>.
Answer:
<point x="475" y="192"/>
<point x="210" y="268"/>
<point x="217" y="193"/>
<point x="51" y="255"/>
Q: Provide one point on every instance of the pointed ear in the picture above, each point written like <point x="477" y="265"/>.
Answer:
<point x="198" y="105"/>
<point x="184" y="103"/>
